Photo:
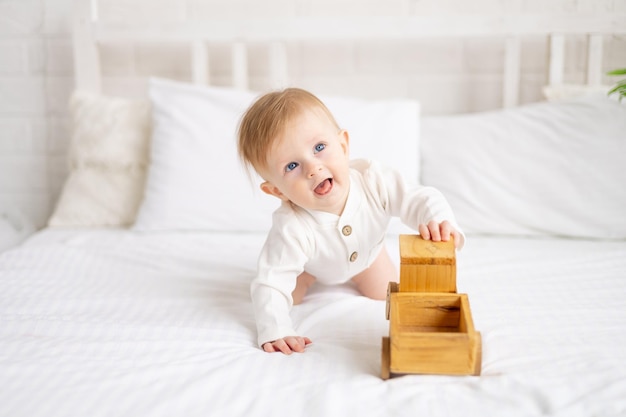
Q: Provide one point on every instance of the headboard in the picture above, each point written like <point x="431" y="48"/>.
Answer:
<point x="90" y="32"/>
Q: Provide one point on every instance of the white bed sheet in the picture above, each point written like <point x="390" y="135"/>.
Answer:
<point x="118" y="323"/>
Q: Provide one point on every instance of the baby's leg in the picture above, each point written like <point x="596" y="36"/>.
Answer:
<point x="303" y="283"/>
<point x="373" y="282"/>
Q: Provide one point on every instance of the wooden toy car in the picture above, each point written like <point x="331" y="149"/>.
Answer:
<point x="429" y="332"/>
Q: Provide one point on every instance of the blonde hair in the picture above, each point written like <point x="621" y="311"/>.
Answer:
<point x="266" y="120"/>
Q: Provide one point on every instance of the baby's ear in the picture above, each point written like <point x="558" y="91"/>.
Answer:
<point x="269" y="188"/>
<point x="344" y="137"/>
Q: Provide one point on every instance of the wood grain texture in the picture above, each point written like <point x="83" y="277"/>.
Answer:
<point x="427" y="266"/>
<point x="432" y="333"/>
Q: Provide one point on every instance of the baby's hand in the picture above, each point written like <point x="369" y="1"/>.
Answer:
<point x="287" y="345"/>
<point x="440" y="232"/>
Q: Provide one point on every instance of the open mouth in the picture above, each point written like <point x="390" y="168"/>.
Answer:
<point x="324" y="187"/>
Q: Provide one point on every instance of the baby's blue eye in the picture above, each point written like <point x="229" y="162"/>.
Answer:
<point x="319" y="147"/>
<point x="291" y="166"/>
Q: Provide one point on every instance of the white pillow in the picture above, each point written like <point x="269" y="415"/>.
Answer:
<point x="544" y="169"/>
<point x="196" y="181"/>
<point x="15" y="227"/>
<point x="108" y="162"/>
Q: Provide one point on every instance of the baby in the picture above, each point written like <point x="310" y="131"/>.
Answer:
<point x="334" y="213"/>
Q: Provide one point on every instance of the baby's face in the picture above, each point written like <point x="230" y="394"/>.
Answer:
<point x="309" y="165"/>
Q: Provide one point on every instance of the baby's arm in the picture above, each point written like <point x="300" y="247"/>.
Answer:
<point x="287" y="345"/>
<point x="440" y="232"/>
<point x="420" y="207"/>
<point x="279" y="266"/>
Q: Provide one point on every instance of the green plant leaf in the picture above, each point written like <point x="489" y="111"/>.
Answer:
<point x="621" y="71"/>
<point x="620" y="87"/>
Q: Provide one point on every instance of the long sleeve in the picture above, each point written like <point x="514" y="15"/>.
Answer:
<point x="413" y="204"/>
<point x="281" y="260"/>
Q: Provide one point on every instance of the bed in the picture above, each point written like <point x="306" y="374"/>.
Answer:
<point x="134" y="300"/>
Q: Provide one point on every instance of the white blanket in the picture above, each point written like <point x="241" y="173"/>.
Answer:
<point x="118" y="323"/>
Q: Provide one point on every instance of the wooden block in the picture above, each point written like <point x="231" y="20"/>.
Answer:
<point x="432" y="333"/>
<point x="427" y="266"/>
<point x="391" y="287"/>
<point x="384" y="360"/>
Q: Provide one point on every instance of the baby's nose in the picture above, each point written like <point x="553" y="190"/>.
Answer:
<point x="314" y="169"/>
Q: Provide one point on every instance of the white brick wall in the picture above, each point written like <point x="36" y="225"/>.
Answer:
<point x="36" y="73"/>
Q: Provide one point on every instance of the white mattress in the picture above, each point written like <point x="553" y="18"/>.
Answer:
<point x="102" y="323"/>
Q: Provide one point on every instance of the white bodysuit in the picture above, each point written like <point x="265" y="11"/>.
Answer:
<point x="335" y="248"/>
